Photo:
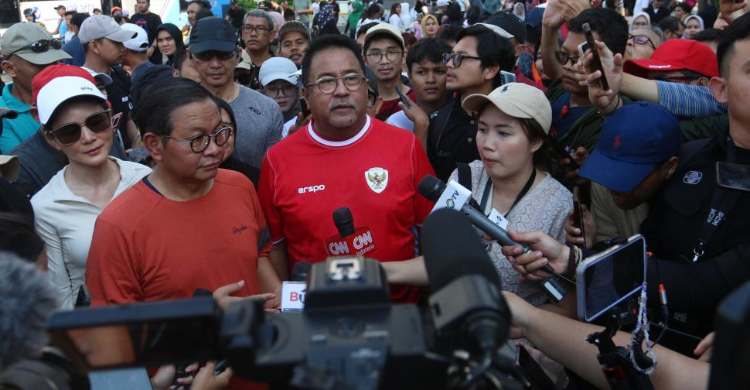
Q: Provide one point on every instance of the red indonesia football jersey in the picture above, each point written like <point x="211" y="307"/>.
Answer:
<point x="376" y="173"/>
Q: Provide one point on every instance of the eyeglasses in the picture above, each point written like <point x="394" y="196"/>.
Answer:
<point x="70" y="133"/>
<point x="372" y="97"/>
<point x="456" y="58"/>
<point x="286" y="90"/>
<point x="328" y="84"/>
<point x="199" y="143"/>
<point x="40" y="46"/>
<point x="259" y="29"/>
<point x="210" y="54"/>
<point x="642" y="40"/>
<point x="563" y="57"/>
<point x="377" y="55"/>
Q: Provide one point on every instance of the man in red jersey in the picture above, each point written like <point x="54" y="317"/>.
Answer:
<point x="343" y="158"/>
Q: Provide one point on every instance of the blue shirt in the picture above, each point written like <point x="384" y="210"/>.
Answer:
<point x="688" y="100"/>
<point x="564" y="116"/>
<point x="17" y="130"/>
<point x="63" y="29"/>
<point x="75" y="49"/>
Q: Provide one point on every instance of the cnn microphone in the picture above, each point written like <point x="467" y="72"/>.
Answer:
<point x="342" y="218"/>
<point x="350" y="241"/>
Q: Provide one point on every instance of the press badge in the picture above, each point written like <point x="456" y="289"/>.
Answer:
<point x="498" y="219"/>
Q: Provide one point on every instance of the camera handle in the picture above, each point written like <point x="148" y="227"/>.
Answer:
<point x="616" y="363"/>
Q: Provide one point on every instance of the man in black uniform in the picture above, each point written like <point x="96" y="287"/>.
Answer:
<point x="235" y="15"/>
<point x="473" y="67"/>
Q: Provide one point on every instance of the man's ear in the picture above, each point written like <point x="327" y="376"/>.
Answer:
<point x="154" y="144"/>
<point x="718" y="88"/>
<point x="491" y="72"/>
<point x="670" y="166"/>
<point x="9" y="67"/>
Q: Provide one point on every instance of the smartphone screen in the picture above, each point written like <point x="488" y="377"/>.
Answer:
<point x="578" y="213"/>
<point x="564" y="151"/>
<point x="597" y="62"/>
<point x="532" y="371"/>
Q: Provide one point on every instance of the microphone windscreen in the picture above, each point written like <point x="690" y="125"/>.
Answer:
<point x="300" y="271"/>
<point x="431" y="188"/>
<point x="342" y="218"/>
<point x="453" y="249"/>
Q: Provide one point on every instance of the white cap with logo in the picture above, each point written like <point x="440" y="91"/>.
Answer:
<point x="517" y="100"/>
<point x="60" y="90"/>
<point x="140" y="41"/>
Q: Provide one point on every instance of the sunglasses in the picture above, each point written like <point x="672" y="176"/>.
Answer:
<point x="97" y="122"/>
<point x="221" y="55"/>
<point x="40" y="46"/>
<point x="457" y="59"/>
<point x="642" y="40"/>
<point x="563" y="57"/>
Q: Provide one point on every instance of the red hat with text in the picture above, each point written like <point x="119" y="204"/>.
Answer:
<point x="677" y="54"/>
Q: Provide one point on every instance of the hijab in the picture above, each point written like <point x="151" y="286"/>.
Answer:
<point x="696" y="17"/>
<point x="157" y="57"/>
<point x="424" y="22"/>
<point x="638" y="15"/>
<point x="522" y="16"/>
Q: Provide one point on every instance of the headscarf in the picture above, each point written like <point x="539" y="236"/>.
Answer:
<point x="638" y="15"/>
<point x="424" y="22"/>
<point x="355" y="14"/>
<point x="696" y="17"/>
<point x="157" y="57"/>
<point x="522" y="16"/>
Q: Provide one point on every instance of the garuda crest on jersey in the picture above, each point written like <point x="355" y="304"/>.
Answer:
<point x="377" y="179"/>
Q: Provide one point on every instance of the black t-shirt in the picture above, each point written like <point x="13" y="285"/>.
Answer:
<point x="236" y="16"/>
<point x="148" y="22"/>
<point x="451" y="138"/>
<point x="13" y="199"/>
<point x="118" y="93"/>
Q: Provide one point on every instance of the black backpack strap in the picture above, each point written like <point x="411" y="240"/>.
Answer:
<point x="464" y="175"/>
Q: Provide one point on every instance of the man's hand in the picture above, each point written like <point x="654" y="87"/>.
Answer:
<point x="544" y="250"/>
<point x="729" y="10"/>
<point x="164" y="377"/>
<point x="206" y="380"/>
<point x="571" y="8"/>
<point x="415" y="114"/>
<point x="553" y="16"/>
<point x="299" y="123"/>
<point x="705" y="348"/>
<point x="604" y="101"/>
<point x="573" y="234"/>
<point x="223" y="297"/>
<point x="373" y="111"/>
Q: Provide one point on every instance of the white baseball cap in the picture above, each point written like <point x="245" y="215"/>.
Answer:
<point x="517" y="100"/>
<point x="57" y="84"/>
<point x="278" y="68"/>
<point x="385" y="28"/>
<point x="442" y="3"/>
<point x="140" y="41"/>
<point x="102" y="26"/>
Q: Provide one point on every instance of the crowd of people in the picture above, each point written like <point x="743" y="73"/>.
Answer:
<point x="144" y="161"/>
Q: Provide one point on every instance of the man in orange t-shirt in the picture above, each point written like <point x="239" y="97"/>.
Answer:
<point x="189" y="224"/>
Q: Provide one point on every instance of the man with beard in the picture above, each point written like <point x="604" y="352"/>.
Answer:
<point x="293" y="40"/>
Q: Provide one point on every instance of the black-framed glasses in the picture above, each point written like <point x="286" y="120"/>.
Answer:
<point x="210" y="54"/>
<point x="40" y="46"/>
<point x="372" y="97"/>
<point x="563" y="57"/>
<point x="70" y="133"/>
<point x="199" y="143"/>
<point x="328" y="84"/>
<point x="259" y="29"/>
<point x="457" y="59"/>
<point x="642" y="40"/>
<point x="284" y="90"/>
<point x="390" y="55"/>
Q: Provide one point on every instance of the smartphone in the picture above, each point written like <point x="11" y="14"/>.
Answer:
<point x="564" y="151"/>
<point x="578" y="213"/>
<point x="596" y="64"/>
<point x="303" y="108"/>
<point x="582" y="48"/>
<point x="733" y="176"/>
<point x="403" y="98"/>
<point x="530" y="370"/>
<point x="508" y="77"/>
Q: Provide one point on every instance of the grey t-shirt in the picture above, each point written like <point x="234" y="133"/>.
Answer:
<point x="259" y="123"/>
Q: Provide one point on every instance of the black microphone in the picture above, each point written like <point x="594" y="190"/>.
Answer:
<point x="342" y="218"/>
<point x="300" y="271"/>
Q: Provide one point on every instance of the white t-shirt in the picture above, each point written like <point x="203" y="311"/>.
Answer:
<point x="400" y="120"/>
<point x="395" y="21"/>
<point x="288" y="125"/>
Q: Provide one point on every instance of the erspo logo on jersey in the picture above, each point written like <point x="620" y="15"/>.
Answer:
<point x="311" y="189"/>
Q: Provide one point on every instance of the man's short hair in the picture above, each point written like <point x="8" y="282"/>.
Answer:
<point x="18" y="236"/>
<point x="492" y="49"/>
<point x="259" y="13"/>
<point x="449" y="33"/>
<point x="329" y="42"/>
<point x="78" y="18"/>
<point x="611" y="27"/>
<point x="203" y="13"/>
<point x="365" y="28"/>
<point x="670" y="23"/>
<point x="70" y="13"/>
<point x="708" y="35"/>
<point x="685" y="7"/>
<point x="430" y="49"/>
<point x="737" y="31"/>
<point x="153" y="114"/>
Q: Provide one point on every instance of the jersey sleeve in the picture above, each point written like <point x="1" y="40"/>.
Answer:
<point x="264" y="235"/>
<point x="420" y="167"/>
<point x="111" y="275"/>
<point x="266" y="192"/>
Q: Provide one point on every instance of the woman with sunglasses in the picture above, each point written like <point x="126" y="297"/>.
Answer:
<point x="77" y="121"/>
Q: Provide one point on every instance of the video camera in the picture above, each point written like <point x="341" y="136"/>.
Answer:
<point x="349" y="334"/>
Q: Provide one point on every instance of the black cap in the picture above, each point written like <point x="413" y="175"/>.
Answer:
<point x="509" y="23"/>
<point x="212" y="33"/>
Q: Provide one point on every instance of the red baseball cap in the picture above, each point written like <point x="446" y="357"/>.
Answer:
<point x="57" y="84"/>
<point x="677" y="54"/>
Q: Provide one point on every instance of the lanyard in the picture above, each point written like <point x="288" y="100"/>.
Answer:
<point x="722" y="202"/>
<point x="486" y="204"/>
